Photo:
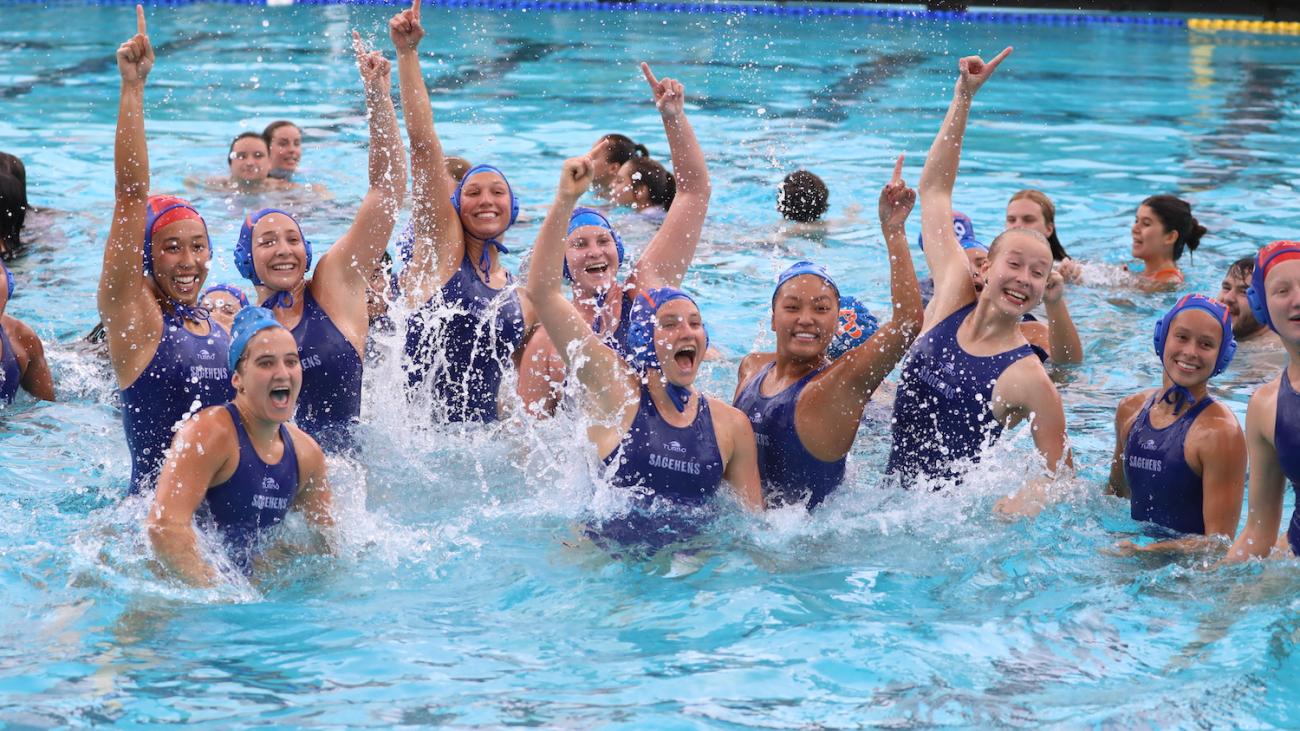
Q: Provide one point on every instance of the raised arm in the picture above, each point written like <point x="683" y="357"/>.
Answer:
<point x="1066" y="347"/>
<point x="347" y="266"/>
<point x="666" y="259"/>
<point x="123" y="298"/>
<point x="948" y="265"/>
<point x="439" y="239"/>
<point x="186" y="475"/>
<point x="830" y="409"/>
<point x="600" y="369"/>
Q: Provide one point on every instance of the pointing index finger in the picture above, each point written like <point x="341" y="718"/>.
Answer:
<point x="140" y="26"/>
<point x="898" y="171"/>
<point x="992" y="65"/>
<point x="415" y="8"/>
<point x="649" y="75"/>
<point x="358" y="46"/>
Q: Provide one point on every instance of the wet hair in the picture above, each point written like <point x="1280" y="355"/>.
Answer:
<point x="1176" y="214"/>
<point x="1048" y="208"/>
<point x="13" y="201"/>
<point x="802" y="197"/>
<point x="621" y="148"/>
<point x="243" y="136"/>
<point x="993" y="247"/>
<point x="655" y="178"/>
<point x="1243" y="267"/>
<point x="269" y="132"/>
<point x="456" y="167"/>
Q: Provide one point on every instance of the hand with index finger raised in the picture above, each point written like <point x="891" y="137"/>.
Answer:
<point x="405" y="29"/>
<point x="975" y="71"/>
<point x="896" y="199"/>
<point x="135" y="57"/>
<point x="669" y="94"/>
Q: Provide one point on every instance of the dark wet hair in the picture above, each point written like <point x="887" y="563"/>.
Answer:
<point x="656" y="178"/>
<point x="1048" y="208"/>
<point x="269" y="132"/>
<point x="1243" y="267"/>
<point x="13" y="202"/>
<point x="1176" y="214"/>
<point x="456" y="167"/>
<point x="802" y="197"/>
<point x="621" y="148"/>
<point x="244" y="136"/>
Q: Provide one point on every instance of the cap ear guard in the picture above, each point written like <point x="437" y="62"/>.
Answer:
<point x="1227" y="346"/>
<point x="602" y="222"/>
<point x="1255" y="294"/>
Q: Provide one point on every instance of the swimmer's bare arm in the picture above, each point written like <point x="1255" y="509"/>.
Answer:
<point x="599" y="368"/>
<point x="830" y="408"/>
<point x="130" y="314"/>
<point x="668" y="256"/>
<point x="314" y="499"/>
<point x="541" y="376"/>
<point x="1267" y="481"/>
<point x="948" y="265"/>
<point x="1125" y="415"/>
<point x="1034" y="397"/>
<point x="439" y="240"/>
<point x="341" y="276"/>
<point x="36" y="379"/>
<point x="740" y="461"/>
<point x="195" y="463"/>
<point x="1063" y="336"/>
<point x="749" y="365"/>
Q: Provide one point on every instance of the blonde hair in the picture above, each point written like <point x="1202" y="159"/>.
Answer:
<point x="1048" y="208"/>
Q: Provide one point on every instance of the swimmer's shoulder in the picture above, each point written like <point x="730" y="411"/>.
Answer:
<point x="1215" y="424"/>
<point x="1261" y="410"/>
<point x="311" y="458"/>
<point x="730" y="424"/>
<point x="749" y="365"/>
<point x="1129" y="407"/>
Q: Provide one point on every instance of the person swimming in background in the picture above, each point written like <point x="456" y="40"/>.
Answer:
<point x="1180" y="456"/>
<point x="802" y="197"/>
<point x="168" y="356"/>
<point x="284" y="144"/>
<point x="468" y="321"/>
<point x="1163" y="228"/>
<point x="804" y="407"/>
<point x="971" y="373"/>
<point x="645" y="186"/>
<point x="668" y="445"/>
<point x="610" y="153"/>
<point x="1273" y="414"/>
<point x="22" y="355"/>
<point x="1032" y="209"/>
<point x="250" y="166"/>
<point x="594" y="255"/>
<point x="223" y="302"/>
<point x="241" y="467"/>
<point x="13" y="205"/>
<point x="1233" y="293"/>
<point x="327" y="313"/>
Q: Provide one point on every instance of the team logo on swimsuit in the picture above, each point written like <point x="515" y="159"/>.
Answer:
<point x="264" y="501"/>
<point x="206" y="355"/>
<point x="1149" y="444"/>
<point x="756" y="417"/>
<point x="675" y="447"/>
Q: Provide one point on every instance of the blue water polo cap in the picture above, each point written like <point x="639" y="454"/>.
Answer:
<point x="249" y="322"/>
<point x="230" y="289"/>
<point x="1267" y="258"/>
<point x="9" y="281"/>
<point x="798" y="269"/>
<point x="244" y="248"/>
<point x="484" y="262"/>
<point x="641" y="334"/>
<point x="965" y="231"/>
<point x="592" y="217"/>
<point x="856" y="326"/>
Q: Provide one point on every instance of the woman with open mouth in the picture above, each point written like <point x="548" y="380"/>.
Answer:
<point x="1273" y="415"/>
<point x="594" y="254"/>
<point x="669" y="445"/>
<point x="327" y="312"/>
<point x="805" y="408"/>
<point x="168" y="356"/>
<point x="1180" y="456"/>
<point x="971" y="373"/>
<point x="241" y="467"/>
<point x="468" y="321"/>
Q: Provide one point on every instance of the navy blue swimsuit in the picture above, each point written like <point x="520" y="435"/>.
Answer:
<point x="330" y="400"/>
<point x="790" y="473"/>
<point x="464" y="355"/>
<point x="673" y="472"/>
<point x="10" y="374"/>
<point x="188" y="373"/>
<point x="1286" y="440"/>
<point x="1164" y="489"/>
<point x="618" y="339"/>
<point x="941" y="411"/>
<point x="256" y="497"/>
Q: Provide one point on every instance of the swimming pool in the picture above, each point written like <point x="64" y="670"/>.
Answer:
<point x="455" y="601"/>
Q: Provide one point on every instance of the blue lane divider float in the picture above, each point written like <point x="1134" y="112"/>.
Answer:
<point x="856" y="11"/>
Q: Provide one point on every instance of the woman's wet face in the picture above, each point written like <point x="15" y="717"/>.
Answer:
<point x="485" y="205"/>
<point x="222" y="306"/>
<point x="269" y="375"/>
<point x="1151" y="240"/>
<point x="279" y="253"/>
<point x="1015" y="273"/>
<point x="805" y="314"/>
<point x="1024" y="213"/>
<point x="181" y="254"/>
<point x="680" y="340"/>
<point x="249" y="160"/>
<point x="286" y="148"/>
<point x="627" y="189"/>
<point x="592" y="256"/>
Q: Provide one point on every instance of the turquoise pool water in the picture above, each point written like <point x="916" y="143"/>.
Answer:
<point x="455" y="600"/>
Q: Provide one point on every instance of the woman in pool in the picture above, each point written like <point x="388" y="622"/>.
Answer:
<point x="241" y="464"/>
<point x="168" y="356"/>
<point x="1032" y="209"/>
<point x="804" y="408"/>
<point x="22" y="356"/>
<point x="284" y="141"/>
<point x="467" y="321"/>
<point x="250" y="167"/>
<point x="223" y="302"/>
<point x="594" y="254"/>
<point x="1163" y="228"/>
<point x="972" y="373"/>
<point x="609" y="154"/>
<point x="327" y="312"/>
<point x="659" y="433"/>
<point x="1273" y="415"/>
<point x="1179" y="454"/>
<point x="645" y="186"/>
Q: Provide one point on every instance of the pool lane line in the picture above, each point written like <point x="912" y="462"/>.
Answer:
<point x="1258" y="27"/>
<point x="95" y="64"/>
